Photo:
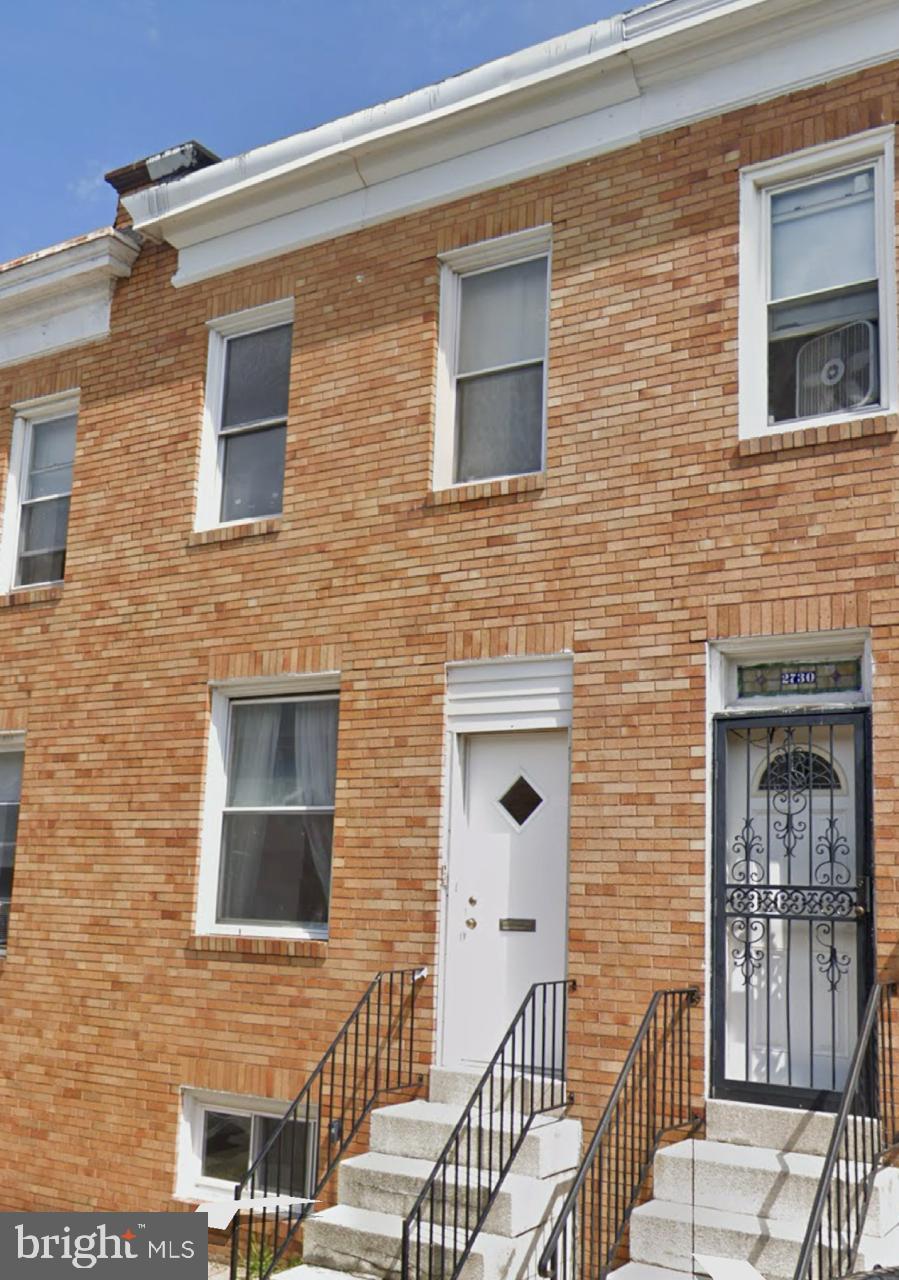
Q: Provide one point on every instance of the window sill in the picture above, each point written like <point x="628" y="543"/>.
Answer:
<point x="234" y="532"/>
<point x="238" y="944"/>
<point x="508" y="486"/>
<point x="831" y="433"/>
<point x="32" y="595"/>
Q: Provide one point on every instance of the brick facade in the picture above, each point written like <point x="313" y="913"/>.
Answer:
<point x="652" y="532"/>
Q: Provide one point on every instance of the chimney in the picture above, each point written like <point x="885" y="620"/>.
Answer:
<point x="162" y="167"/>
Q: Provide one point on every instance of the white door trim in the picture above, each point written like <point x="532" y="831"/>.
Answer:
<point x="509" y="693"/>
<point x="721" y="656"/>
<point x="490" y="696"/>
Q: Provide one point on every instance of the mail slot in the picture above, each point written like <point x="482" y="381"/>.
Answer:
<point x="517" y="926"/>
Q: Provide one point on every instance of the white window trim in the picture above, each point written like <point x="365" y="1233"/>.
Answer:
<point x="27" y="413"/>
<point x="223" y="693"/>
<point x="209" y="480"/>
<point x="724" y="656"/>
<point x="190" y="1184"/>
<point x="503" y="251"/>
<point x="756" y="184"/>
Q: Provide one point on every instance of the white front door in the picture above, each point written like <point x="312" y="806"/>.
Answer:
<point x="792" y="911"/>
<point x="507" y="884"/>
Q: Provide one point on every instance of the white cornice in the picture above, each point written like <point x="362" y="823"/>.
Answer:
<point x="61" y="296"/>
<point x="598" y="89"/>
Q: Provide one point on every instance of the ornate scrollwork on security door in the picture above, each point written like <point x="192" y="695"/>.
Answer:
<point x="749" y="953"/>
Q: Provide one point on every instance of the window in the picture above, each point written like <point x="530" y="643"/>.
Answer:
<point x="11" y="759"/>
<point x="817" y="287"/>
<point x="223" y="1134"/>
<point x="248" y="376"/>
<point x="491" y="408"/>
<point x="270" y="816"/>
<point x="36" y="519"/>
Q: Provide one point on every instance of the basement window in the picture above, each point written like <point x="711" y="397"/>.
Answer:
<point x="491" y="398"/>
<point x="11" y="761"/>
<point x="222" y="1135"/>
<point x="245" y="424"/>
<point x="817" y="322"/>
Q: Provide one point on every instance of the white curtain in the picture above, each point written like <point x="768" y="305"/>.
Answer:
<point x="315" y="759"/>
<point x="282" y="755"/>
<point x="254" y="750"/>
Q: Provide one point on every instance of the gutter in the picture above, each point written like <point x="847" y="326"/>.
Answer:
<point x="597" y="89"/>
<point x="550" y="64"/>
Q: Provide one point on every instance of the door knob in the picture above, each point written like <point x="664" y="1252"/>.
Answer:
<point x="471" y="922"/>
<point x="472" y="902"/>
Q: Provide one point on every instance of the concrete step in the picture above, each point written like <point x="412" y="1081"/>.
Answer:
<point x="637" y="1271"/>
<point x="452" y="1086"/>
<point x="879" y="1251"/>
<point x="391" y="1184"/>
<point x="664" y="1234"/>
<point x="420" y="1130"/>
<point x="771" y="1184"/>
<point x="455" y="1087"/>
<point x="747" y="1124"/>
<point x="304" y="1272"/>
<point x="341" y="1237"/>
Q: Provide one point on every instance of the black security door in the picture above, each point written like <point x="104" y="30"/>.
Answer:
<point x="792" y="919"/>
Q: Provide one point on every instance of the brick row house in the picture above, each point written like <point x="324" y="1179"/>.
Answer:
<point x="458" y="542"/>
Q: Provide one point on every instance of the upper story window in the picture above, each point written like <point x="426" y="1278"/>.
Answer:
<point x="817" y="321"/>
<point x="269" y="816"/>
<point x="491" y="396"/>
<point x="36" y="518"/>
<point x="245" y="429"/>
<point x="46" y="490"/>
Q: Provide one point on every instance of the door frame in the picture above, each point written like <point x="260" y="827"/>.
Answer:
<point x="860" y="718"/>
<point x="499" y="695"/>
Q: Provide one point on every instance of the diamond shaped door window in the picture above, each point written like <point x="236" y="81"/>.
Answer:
<point x="521" y="801"/>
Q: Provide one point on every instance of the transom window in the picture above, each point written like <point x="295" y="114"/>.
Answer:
<point x="277" y="820"/>
<point x="492" y="392"/>
<point x="817" y="286"/>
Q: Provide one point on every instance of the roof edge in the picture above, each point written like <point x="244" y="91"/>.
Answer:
<point x="60" y="296"/>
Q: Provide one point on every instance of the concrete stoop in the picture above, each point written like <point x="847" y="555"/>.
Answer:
<point x="746" y="1192"/>
<point x="361" y="1235"/>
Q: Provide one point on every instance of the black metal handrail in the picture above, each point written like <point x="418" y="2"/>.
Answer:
<point x="652" y="1097"/>
<point x="866" y="1129"/>
<point x="525" y="1078"/>
<point x="373" y="1053"/>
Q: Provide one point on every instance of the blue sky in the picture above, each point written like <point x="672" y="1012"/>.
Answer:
<point x="89" y="85"/>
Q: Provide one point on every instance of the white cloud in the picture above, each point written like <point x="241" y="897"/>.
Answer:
<point x="89" y="187"/>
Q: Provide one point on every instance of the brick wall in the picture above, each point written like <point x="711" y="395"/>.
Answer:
<point x="653" y="532"/>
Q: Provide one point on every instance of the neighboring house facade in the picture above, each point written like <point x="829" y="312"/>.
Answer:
<point x="461" y="536"/>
